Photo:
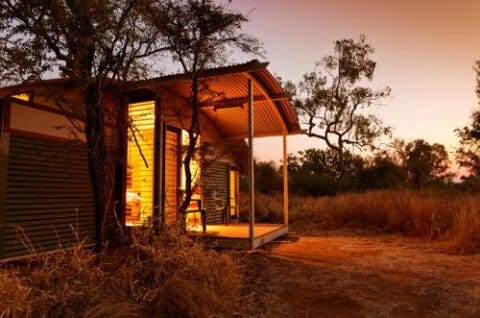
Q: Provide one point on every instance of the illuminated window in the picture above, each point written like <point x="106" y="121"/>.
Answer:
<point x="193" y="219"/>
<point x="24" y="96"/>
<point x="194" y="164"/>
<point x="140" y="163"/>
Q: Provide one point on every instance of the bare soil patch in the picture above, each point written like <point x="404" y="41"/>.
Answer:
<point x="344" y="274"/>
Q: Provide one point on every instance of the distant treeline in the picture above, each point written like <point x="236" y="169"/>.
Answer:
<point x="314" y="172"/>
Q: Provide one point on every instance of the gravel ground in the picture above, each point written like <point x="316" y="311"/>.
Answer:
<point x="345" y="274"/>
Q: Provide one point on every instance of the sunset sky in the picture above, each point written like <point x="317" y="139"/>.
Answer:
<point x="425" y="51"/>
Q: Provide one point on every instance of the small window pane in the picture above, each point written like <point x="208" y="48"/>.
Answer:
<point x="23" y="96"/>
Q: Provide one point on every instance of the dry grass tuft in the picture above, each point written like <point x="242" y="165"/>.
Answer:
<point x="13" y="296"/>
<point x="164" y="275"/>
<point x="428" y="214"/>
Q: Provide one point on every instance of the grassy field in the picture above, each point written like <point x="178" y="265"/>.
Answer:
<point x="380" y="239"/>
<point x="451" y="217"/>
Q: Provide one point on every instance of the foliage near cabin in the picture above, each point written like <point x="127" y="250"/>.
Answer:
<point x="200" y="34"/>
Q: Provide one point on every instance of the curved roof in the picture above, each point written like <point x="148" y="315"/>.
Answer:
<point x="225" y="96"/>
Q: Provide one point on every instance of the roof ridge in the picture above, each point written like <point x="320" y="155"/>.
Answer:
<point x="251" y="65"/>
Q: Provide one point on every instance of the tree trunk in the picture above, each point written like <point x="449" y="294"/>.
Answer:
<point x="96" y="145"/>
<point x="191" y="148"/>
<point x="341" y="161"/>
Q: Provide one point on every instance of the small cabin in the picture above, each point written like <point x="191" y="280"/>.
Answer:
<point x="46" y="199"/>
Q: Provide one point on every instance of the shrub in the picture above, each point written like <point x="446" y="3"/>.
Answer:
<point x="164" y="275"/>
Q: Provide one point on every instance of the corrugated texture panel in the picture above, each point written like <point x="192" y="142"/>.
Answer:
<point x="215" y="190"/>
<point x="233" y="122"/>
<point x="171" y="176"/>
<point x="49" y="196"/>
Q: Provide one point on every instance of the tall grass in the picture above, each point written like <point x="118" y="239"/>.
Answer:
<point x="427" y="214"/>
<point x="150" y="276"/>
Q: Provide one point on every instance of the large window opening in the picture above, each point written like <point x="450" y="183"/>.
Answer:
<point x="140" y="163"/>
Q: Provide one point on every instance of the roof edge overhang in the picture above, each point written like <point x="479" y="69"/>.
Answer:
<point x="248" y="67"/>
<point x="257" y="71"/>
<point x="284" y="106"/>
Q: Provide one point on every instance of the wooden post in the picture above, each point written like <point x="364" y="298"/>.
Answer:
<point x="285" y="181"/>
<point x="4" y="148"/>
<point x="251" y="167"/>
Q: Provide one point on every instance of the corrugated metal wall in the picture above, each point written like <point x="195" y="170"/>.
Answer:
<point x="215" y="190"/>
<point x="48" y="197"/>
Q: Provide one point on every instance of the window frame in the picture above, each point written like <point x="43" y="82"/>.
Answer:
<point x="2" y="115"/>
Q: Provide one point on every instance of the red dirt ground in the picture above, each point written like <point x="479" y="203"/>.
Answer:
<point x="350" y="275"/>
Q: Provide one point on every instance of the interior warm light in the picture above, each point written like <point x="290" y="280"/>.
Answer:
<point x="140" y="183"/>
<point x="23" y="96"/>
<point x="194" y="220"/>
<point x="233" y="193"/>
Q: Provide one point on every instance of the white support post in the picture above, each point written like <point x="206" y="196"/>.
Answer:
<point x="285" y="181"/>
<point x="251" y="167"/>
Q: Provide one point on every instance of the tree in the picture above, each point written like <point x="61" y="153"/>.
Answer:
<point x="468" y="154"/>
<point x="333" y="99"/>
<point x="319" y="161"/>
<point x="382" y="171"/>
<point x="268" y="179"/>
<point x="201" y="34"/>
<point x="315" y="172"/>
<point x="426" y="162"/>
<point x="94" y="43"/>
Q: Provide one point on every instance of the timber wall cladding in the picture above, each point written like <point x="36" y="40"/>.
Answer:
<point x="171" y="176"/>
<point x="215" y="192"/>
<point x="49" y="200"/>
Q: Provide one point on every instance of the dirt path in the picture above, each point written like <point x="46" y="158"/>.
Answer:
<point x="347" y="275"/>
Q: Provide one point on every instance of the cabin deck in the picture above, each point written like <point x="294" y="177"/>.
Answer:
<point x="236" y="236"/>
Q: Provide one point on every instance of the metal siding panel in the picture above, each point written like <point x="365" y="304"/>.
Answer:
<point x="4" y="146"/>
<point x="48" y="196"/>
<point x="215" y="180"/>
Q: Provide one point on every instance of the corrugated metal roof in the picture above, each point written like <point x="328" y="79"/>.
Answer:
<point x="229" y="84"/>
<point x="215" y="71"/>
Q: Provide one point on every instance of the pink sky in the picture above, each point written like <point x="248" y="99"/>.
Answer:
<point x="425" y="52"/>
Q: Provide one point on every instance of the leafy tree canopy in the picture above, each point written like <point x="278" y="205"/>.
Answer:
<point x="426" y="162"/>
<point x="332" y="99"/>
